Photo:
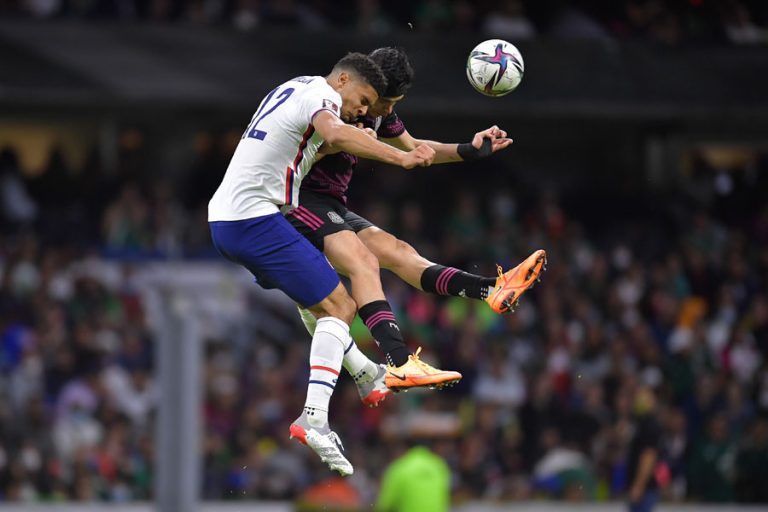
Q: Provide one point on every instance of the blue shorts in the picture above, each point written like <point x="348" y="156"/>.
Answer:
<point x="277" y="255"/>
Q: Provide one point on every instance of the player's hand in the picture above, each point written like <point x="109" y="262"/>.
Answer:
<point x="370" y="131"/>
<point x="635" y="493"/>
<point x="496" y="135"/>
<point x="421" y="156"/>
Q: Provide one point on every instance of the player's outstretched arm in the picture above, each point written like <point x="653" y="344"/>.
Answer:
<point x="354" y="140"/>
<point x="483" y="144"/>
<point x="326" y="149"/>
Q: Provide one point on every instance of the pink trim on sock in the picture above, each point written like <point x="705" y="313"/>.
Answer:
<point x="379" y="317"/>
<point x="442" y="281"/>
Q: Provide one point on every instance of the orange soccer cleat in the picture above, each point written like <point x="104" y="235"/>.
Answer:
<point x="416" y="373"/>
<point x="511" y="284"/>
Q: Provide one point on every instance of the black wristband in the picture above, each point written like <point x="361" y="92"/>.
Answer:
<point x="469" y="152"/>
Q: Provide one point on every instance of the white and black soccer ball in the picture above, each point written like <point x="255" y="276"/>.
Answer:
<point x="495" y="67"/>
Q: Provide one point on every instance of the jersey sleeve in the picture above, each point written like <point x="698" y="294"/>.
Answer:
<point x="391" y="126"/>
<point x="320" y="98"/>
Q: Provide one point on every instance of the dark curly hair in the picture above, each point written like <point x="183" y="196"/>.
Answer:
<point x="364" y="67"/>
<point x="397" y="69"/>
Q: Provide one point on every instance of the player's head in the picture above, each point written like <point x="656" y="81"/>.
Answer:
<point x="359" y="81"/>
<point x="399" y="74"/>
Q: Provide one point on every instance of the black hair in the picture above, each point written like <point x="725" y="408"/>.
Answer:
<point x="363" y="66"/>
<point x="397" y="69"/>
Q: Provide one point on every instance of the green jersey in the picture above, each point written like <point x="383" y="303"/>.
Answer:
<point x="419" y="481"/>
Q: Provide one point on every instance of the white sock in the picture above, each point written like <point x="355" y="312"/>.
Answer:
<point x="358" y="365"/>
<point x="325" y="359"/>
<point x="308" y="319"/>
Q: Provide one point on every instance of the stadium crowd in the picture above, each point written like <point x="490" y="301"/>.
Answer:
<point x="662" y="21"/>
<point x="674" y="301"/>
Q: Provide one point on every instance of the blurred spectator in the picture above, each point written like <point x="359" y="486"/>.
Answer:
<point x="372" y="18"/>
<point x="738" y="24"/>
<point x="43" y="8"/>
<point x="246" y="15"/>
<point x="508" y="21"/>
<point x="674" y="447"/>
<point x="545" y="408"/>
<point x="644" y="451"/>
<point x="500" y="382"/>
<point x="332" y="494"/>
<point x="751" y="462"/>
<point x="563" y="471"/>
<point x="573" y="23"/>
<point x="711" y="470"/>
<point x="434" y="15"/>
<point x="667" y="22"/>
<point x="18" y="208"/>
<point x="126" y="222"/>
<point x="417" y="480"/>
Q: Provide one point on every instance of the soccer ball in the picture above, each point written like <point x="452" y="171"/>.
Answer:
<point x="495" y="67"/>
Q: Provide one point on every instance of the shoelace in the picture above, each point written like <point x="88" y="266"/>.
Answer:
<point x="332" y="454"/>
<point x="421" y="364"/>
<point x="335" y="438"/>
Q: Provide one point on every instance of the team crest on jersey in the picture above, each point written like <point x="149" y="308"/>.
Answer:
<point x="331" y="105"/>
<point x="335" y="218"/>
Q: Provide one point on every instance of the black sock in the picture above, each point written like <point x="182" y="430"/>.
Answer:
<point x="452" y="281"/>
<point x="377" y="315"/>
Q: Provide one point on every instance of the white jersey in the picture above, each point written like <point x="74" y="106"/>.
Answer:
<point x="275" y="152"/>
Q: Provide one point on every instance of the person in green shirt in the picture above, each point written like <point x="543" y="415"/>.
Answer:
<point x="417" y="481"/>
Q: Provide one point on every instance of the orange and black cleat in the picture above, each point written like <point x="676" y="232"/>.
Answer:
<point x="415" y="373"/>
<point x="511" y="285"/>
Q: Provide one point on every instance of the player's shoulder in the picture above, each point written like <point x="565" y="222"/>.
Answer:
<point x="313" y="84"/>
<point x="317" y="94"/>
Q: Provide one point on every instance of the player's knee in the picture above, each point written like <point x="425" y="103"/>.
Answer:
<point x="338" y="304"/>
<point x="405" y="249"/>
<point x="399" y="254"/>
<point x="363" y="261"/>
<point x="347" y="308"/>
<point x="369" y="261"/>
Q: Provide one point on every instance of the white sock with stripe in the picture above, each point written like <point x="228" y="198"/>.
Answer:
<point x="325" y="359"/>
<point x="358" y="365"/>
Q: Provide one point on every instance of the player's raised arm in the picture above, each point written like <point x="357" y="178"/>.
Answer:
<point x="483" y="144"/>
<point x="355" y="141"/>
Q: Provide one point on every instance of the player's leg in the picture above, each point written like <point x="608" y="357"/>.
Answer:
<point x="320" y="219"/>
<point x="279" y="257"/>
<point x="369" y="377"/>
<point x="405" y="261"/>
<point x="501" y="293"/>
<point x="396" y="255"/>
<point x="402" y="259"/>
<point x="314" y="219"/>
<point x="350" y="257"/>
<point x="312" y="427"/>
<point x="338" y="304"/>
